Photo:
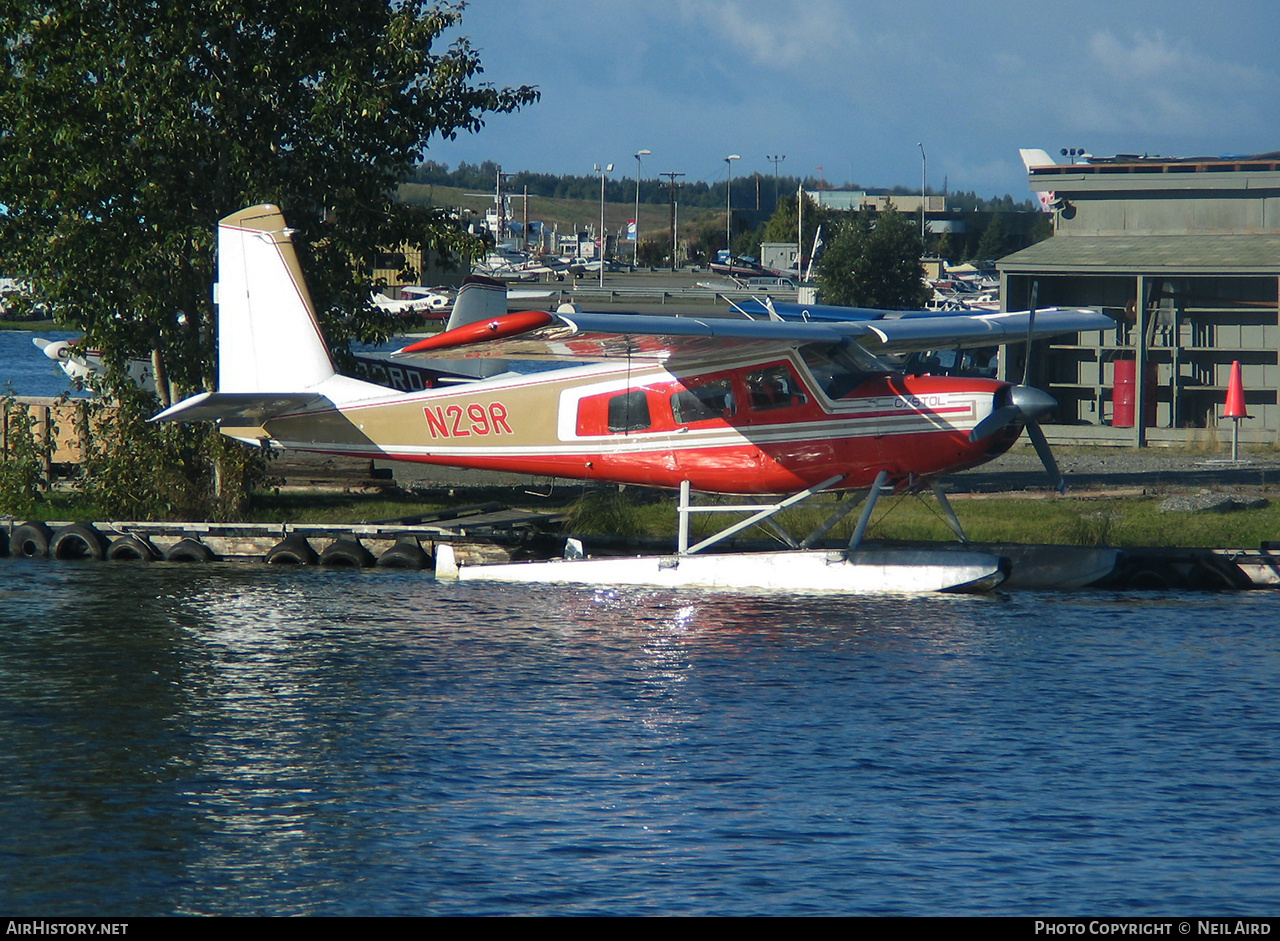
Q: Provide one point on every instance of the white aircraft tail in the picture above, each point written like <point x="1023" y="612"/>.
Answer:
<point x="1035" y="157"/>
<point x="272" y="357"/>
<point x="479" y="298"/>
<point x="269" y="339"/>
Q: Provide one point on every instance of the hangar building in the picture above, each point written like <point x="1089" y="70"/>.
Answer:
<point x="1186" y="252"/>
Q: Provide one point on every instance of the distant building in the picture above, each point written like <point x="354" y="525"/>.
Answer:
<point x="778" y="256"/>
<point x="843" y="200"/>
<point x="1186" y="252"/>
<point x="861" y="199"/>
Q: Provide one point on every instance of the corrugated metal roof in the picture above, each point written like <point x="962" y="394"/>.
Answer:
<point x="1096" y="254"/>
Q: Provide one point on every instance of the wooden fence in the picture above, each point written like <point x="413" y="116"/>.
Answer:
<point x="58" y="426"/>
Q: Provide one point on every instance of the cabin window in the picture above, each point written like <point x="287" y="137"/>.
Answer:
<point x="839" y="369"/>
<point x="710" y="400"/>
<point x="774" y="387"/>
<point x="629" y="412"/>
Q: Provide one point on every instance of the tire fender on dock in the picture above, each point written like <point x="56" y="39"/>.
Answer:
<point x="190" y="550"/>
<point x="405" y="554"/>
<point x="31" y="540"/>
<point x="131" y="548"/>
<point x="292" y="550"/>
<point x="347" y="552"/>
<point x="78" y="541"/>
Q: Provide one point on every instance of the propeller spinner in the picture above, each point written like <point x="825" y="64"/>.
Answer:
<point x="1025" y="405"/>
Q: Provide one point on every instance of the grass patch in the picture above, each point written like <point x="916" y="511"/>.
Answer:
<point x="630" y="513"/>
<point x="1129" y="521"/>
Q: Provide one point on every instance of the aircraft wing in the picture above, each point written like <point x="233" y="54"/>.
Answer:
<point x="599" y="336"/>
<point x="967" y="331"/>
<point x="786" y="310"/>
<point x="593" y="336"/>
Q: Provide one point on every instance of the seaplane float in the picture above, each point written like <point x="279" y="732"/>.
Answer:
<point x="773" y="410"/>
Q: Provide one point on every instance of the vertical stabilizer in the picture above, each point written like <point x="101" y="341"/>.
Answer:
<point x="1033" y="157"/>
<point x="479" y="298"/>
<point x="268" y="337"/>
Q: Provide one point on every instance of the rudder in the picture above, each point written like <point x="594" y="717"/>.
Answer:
<point x="269" y="339"/>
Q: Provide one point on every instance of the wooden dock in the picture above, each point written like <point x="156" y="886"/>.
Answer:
<point x="479" y="534"/>
<point x="490" y="533"/>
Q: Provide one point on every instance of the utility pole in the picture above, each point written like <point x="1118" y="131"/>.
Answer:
<point x="603" y="171"/>
<point x="671" y="183"/>
<point x="775" y="159"/>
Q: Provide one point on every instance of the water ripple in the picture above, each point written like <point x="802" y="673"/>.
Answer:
<point x="237" y="740"/>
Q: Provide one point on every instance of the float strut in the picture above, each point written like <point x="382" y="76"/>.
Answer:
<point x="952" y="520"/>
<point x="865" y="519"/>
<point x="763" y="514"/>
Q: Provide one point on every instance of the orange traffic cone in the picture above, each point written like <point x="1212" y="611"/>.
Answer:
<point x="1235" y="409"/>
<point x="1235" y="394"/>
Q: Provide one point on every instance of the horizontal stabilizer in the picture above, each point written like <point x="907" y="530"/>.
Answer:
<point x="242" y="408"/>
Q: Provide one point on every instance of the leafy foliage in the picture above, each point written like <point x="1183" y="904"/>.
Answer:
<point x="781" y="226"/>
<point x="135" y="470"/>
<point x="873" y="260"/>
<point x="131" y="126"/>
<point x="22" y="466"/>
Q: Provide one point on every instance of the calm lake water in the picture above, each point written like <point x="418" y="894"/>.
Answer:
<point x="25" y="370"/>
<point x="246" y="740"/>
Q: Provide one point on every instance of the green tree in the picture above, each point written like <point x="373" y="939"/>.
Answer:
<point x="129" y="127"/>
<point x="655" y="251"/>
<point x="781" y="226"/>
<point x="996" y="241"/>
<point x="873" y="260"/>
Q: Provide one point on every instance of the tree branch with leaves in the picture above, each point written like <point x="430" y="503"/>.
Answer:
<point x="128" y="129"/>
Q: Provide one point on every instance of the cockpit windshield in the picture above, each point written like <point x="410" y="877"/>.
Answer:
<point x="839" y="368"/>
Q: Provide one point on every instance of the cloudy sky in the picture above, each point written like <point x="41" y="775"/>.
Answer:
<point x="851" y="85"/>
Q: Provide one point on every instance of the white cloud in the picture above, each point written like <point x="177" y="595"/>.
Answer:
<point x="779" y="35"/>
<point x="1151" y="84"/>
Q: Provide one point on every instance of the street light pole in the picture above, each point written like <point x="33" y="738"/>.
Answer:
<point x="923" y="180"/>
<point x="603" y="171"/>
<point x="671" y="176"/>
<point x="635" y="255"/>
<point x="728" y="207"/>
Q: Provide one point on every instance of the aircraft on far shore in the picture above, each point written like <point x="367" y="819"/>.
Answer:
<point x="428" y="303"/>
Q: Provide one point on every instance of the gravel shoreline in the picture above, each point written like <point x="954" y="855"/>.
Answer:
<point x="1153" y="470"/>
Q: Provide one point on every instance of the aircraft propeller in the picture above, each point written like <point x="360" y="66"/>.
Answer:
<point x="1027" y="404"/>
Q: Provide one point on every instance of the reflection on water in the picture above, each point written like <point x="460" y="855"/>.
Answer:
<point x="245" y="740"/>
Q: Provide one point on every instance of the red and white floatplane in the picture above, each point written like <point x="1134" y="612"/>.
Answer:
<point x="725" y="406"/>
